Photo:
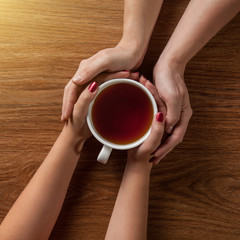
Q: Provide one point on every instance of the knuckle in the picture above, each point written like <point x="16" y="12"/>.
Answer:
<point x="66" y="88"/>
<point x="103" y="53"/>
<point x="105" y="57"/>
<point x="190" y="112"/>
<point x="157" y="128"/>
<point x="86" y="98"/>
<point x="178" y="139"/>
<point x="181" y="93"/>
<point x="172" y="99"/>
<point x="84" y="71"/>
<point x="175" y="95"/>
<point x="82" y="63"/>
<point x="173" y="120"/>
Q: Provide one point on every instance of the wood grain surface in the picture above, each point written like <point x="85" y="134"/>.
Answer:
<point x="195" y="190"/>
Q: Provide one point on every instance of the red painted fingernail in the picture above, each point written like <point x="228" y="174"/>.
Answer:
<point x="127" y="71"/>
<point x="136" y="72"/>
<point x="92" y="88"/>
<point x="159" y="117"/>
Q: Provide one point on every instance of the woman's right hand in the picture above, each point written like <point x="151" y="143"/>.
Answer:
<point x="121" y="57"/>
<point x="142" y="157"/>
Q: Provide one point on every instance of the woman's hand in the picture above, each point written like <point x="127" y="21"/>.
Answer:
<point x="119" y="58"/>
<point x="173" y="91"/>
<point x="122" y="57"/>
<point x="76" y="124"/>
<point x="142" y="156"/>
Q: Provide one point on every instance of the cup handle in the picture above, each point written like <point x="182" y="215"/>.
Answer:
<point x="104" y="154"/>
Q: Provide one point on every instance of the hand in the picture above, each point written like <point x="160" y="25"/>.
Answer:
<point x="76" y="125"/>
<point x="121" y="57"/>
<point x="173" y="91"/>
<point x="77" y="122"/>
<point x="142" y="156"/>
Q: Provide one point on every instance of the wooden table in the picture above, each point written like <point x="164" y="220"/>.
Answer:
<point x="195" y="190"/>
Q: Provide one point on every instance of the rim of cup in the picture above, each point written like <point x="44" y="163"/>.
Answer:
<point x="93" y="129"/>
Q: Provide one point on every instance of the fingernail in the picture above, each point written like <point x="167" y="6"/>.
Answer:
<point x="77" y="79"/>
<point x="127" y="71"/>
<point x="136" y="72"/>
<point x="159" y="117"/>
<point x="92" y="88"/>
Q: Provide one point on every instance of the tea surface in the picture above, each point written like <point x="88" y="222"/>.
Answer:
<point x="122" y="113"/>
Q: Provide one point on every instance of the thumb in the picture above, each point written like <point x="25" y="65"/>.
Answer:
<point x="81" y="106"/>
<point x="173" y="114"/>
<point x="155" y="136"/>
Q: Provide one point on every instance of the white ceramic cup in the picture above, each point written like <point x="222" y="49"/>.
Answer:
<point x="107" y="145"/>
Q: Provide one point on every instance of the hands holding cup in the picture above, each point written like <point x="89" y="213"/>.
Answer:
<point x="120" y="117"/>
<point x="123" y="115"/>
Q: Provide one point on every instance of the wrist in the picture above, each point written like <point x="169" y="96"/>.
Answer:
<point x="135" y="46"/>
<point x="173" y="58"/>
<point x="139" y="167"/>
<point x="71" y="139"/>
<point x="170" y="62"/>
<point x="135" y="43"/>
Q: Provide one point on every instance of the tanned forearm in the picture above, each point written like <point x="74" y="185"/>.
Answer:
<point x="35" y="212"/>
<point x="130" y="213"/>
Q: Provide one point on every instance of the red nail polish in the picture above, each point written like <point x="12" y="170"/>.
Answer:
<point x="93" y="87"/>
<point x="159" y="117"/>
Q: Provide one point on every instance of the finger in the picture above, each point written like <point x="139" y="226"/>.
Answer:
<point x="174" y="106"/>
<point x="71" y="92"/>
<point x="142" y="80"/>
<point x="90" y="68"/>
<point x="160" y="103"/>
<point x="134" y="76"/>
<point x="103" y="77"/>
<point x="155" y="136"/>
<point x="121" y="74"/>
<point x="64" y="103"/>
<point x="175" y="138"/>
<point x="153" y="90"/>
<point x="85" y="98"/>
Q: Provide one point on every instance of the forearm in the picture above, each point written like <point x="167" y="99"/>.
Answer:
<point x="139" y="19"/>
<point x="130" y="213"/>
<point x="200" y="22"/>
<point x="35" y="212"/>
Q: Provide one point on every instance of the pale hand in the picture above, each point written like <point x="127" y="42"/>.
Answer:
<point x="114" y="59"/>
<point x="173" y="92"/>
